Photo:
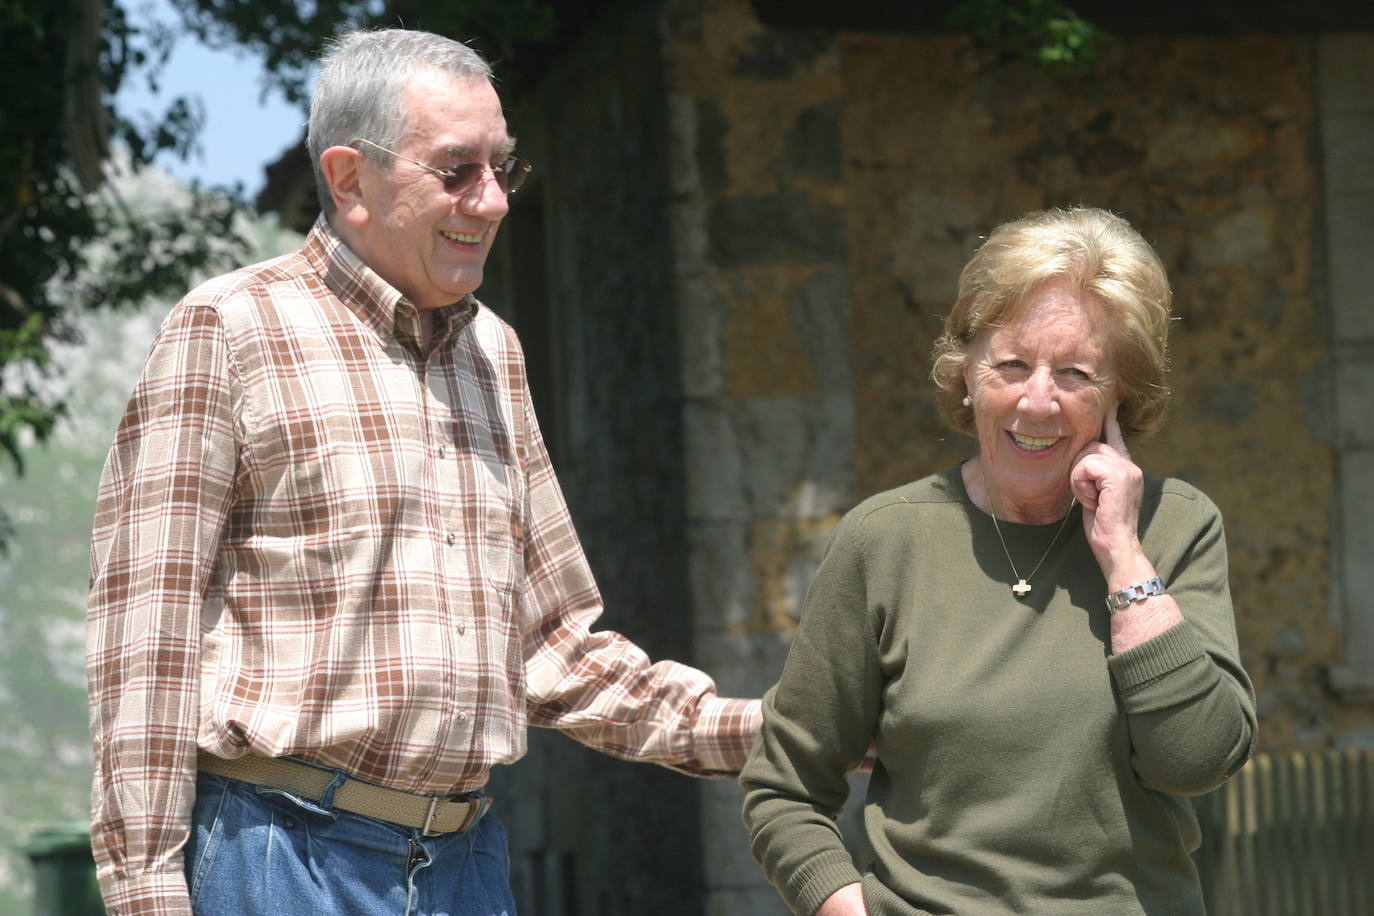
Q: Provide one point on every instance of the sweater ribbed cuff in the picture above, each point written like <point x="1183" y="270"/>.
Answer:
<point x="1155" y="657"/>
<point x="820" y="877"/>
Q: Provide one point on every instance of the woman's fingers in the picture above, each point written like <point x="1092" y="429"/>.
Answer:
<point x="1112" y="433"/>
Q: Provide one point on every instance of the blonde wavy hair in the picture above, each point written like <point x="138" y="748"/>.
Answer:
<point x="1104" y="257"/>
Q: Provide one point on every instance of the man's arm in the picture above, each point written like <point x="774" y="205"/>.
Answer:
<point x="162" y="507"/>
<point x="599" y="687"/>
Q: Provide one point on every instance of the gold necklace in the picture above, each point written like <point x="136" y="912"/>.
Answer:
<point x="1022" y="588"/>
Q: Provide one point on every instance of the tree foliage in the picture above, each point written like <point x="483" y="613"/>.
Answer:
<point x="68" y="242"/>
<point x="1046" y="32"/>
<point x="289" y="34"/>
<point x="58" y="217"/>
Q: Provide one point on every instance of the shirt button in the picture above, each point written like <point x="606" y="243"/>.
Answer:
<point x="462" y="628"/>
<point x="443" y="451"/>
<point x="451" y="539"/>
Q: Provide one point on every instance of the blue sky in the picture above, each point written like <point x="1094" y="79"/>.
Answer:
<point x="241" y="132"/>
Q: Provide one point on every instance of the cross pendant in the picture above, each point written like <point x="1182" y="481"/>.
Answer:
<point x="1021" y="588"/>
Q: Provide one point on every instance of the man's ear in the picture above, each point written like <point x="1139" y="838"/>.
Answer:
<point x="342" y="167"/>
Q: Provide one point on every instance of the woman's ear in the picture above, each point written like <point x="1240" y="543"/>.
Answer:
<point x="342" y="167"/>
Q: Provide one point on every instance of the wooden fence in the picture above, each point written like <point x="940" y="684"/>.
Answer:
<point x="1291" y="834"/>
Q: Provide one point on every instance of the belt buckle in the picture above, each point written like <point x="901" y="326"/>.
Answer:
<point x="429" y="817"/>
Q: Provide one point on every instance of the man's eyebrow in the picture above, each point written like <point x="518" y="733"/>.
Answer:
<point x="465" y="151"/>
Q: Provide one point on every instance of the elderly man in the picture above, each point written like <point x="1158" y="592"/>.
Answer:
<point x="333" y="577"/>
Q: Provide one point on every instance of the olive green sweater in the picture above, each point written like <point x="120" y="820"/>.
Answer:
<point x="1022" y="769"/>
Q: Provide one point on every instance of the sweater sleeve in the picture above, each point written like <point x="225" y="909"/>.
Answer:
<point x="818" y="722"/>
<point x="1190" y="707"/>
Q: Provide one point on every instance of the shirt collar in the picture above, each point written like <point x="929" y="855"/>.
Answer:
<point x="379" y="304"/>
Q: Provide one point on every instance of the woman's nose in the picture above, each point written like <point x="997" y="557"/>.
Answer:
<point x="1039" y="397"/>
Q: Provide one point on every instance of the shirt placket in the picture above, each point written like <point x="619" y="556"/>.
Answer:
<point x="456" y="559"/>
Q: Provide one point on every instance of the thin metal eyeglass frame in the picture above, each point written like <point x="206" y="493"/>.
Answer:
<point x="513" y="169"/>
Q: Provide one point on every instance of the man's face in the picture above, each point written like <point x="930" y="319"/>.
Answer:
<point x="427" y="242"/>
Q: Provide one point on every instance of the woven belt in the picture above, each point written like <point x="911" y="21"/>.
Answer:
<point x="431" y="814"/>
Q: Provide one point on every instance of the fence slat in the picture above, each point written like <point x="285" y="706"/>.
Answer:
<point x="1291" y="834"/>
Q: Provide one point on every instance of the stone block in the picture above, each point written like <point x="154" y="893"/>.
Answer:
<point x="1348" y="152"/>
<point x="742" y="665"/>
<point x="1345" y="73"/>
<point x="1350" y="235"/>
<point x="715" y="490"/>
<point x="1245" y="236"/>
<point x="718" y="573"/>
<point x="797" y="455"/>
<point x="811" y="149"/>
<point x="773" y="436"/>
<point x="739" y="901"/>
<point x="1354" y="396"/>
<point x="780" y="54"/>
<point x="703" y="341"/>
<point x="828" y="487"/>
<point x="726" y="855"/>
<point x="1360" y="738"/>
<point x="766" y="352"/>
<point x="820" y="311"/>
<point x="1353" y="541"/>
<point x="784" y="228"/>
<point x="783" y="557"/>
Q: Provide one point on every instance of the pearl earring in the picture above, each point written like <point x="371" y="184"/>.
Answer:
<point x="968" y="401"/>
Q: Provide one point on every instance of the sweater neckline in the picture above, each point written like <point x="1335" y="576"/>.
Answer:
<point x="955" y="475"/>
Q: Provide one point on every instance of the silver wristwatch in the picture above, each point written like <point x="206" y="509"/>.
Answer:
<point x="1139" y="592"/>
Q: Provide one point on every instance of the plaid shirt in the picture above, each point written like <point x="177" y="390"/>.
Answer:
<point x="313" y="539"/>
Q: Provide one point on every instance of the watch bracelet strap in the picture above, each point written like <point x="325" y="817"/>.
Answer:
<point x="1139" y="591"/>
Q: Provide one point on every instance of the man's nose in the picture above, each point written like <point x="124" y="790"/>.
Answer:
<point x="486" y="197"/>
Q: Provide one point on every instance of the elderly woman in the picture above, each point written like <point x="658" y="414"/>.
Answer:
<point x="1039" y="642"/>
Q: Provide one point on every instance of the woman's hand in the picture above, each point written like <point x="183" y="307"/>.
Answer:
<point x="1109" y="485"/>
<point x="847" y="901"/>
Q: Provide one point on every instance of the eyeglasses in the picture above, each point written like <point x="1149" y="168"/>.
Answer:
<point x="510" y="173"/>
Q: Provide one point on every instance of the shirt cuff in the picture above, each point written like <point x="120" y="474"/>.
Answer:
<point x="723" y="733"/>
<point x="157" y="894"/>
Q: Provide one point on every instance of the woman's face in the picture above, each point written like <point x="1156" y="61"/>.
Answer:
<point x="1041" y="390"/>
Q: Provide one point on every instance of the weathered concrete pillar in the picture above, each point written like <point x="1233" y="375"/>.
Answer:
<point x="758" y="230"/>
<point x="1345" y="90"/>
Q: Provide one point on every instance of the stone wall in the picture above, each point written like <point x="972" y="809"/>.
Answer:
<point x="763" y="299"/>
<point x="831" y="186"/>
<point x="1207" y="147"/>
<point x="827" y="189"/>
<point x="1345" y="88"/>
<point x="584" y="269"/>
<point x="823" y="190"/>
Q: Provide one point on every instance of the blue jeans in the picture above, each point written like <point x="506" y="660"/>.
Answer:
<point x="256" y="851"/>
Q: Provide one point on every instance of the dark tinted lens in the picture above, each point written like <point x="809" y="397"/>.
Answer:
<point x="514" y="171"/>
<point x="509" y="175"/>
<point x="462" y="176"/>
